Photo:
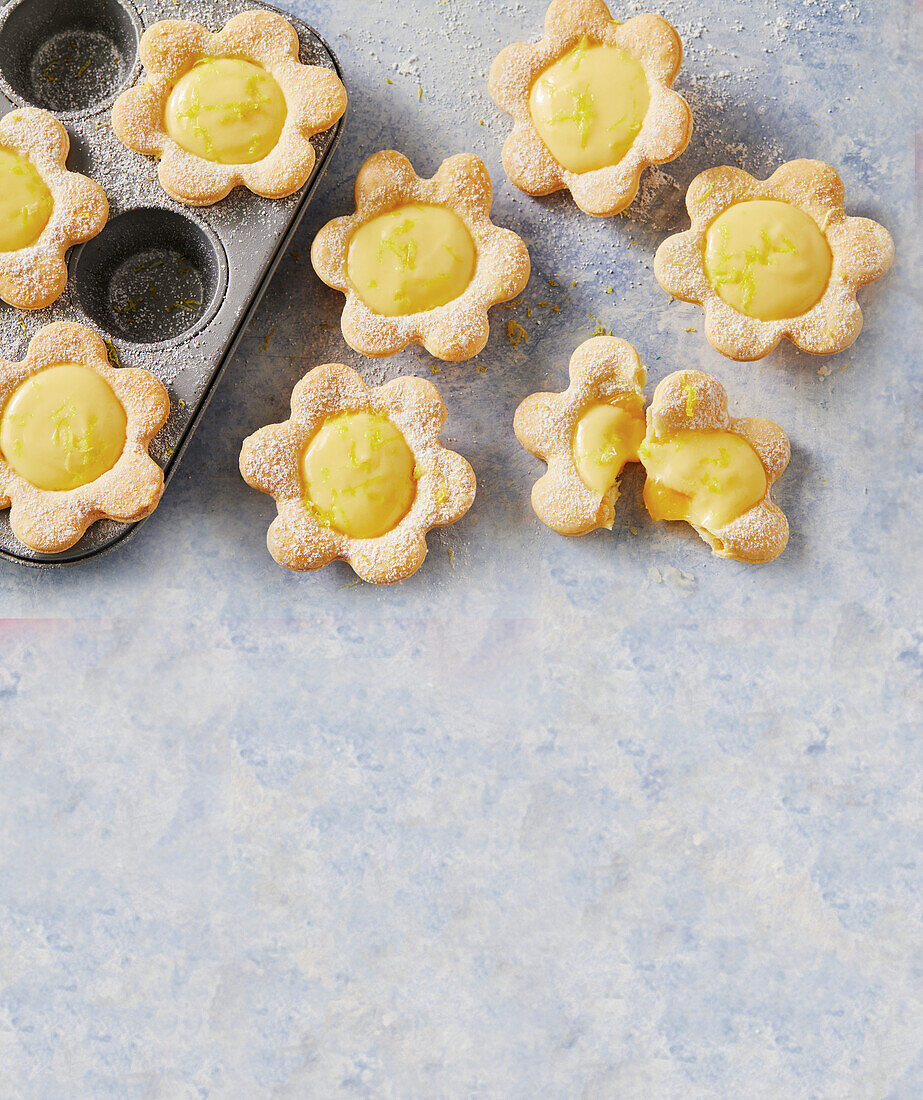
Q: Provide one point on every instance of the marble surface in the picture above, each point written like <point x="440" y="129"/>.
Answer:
<point x="601" y="818"/>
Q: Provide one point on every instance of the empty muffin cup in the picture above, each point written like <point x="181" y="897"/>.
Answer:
<point x="151" y="276"/>
<point x="68" y="56"/>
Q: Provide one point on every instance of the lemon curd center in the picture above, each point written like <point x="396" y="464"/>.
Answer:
<point x="226" y="110"/>
<point x="606" y="436"/>
<point x="412" y="259"/>
<point x="25" y="202"/>
<point x="62" y="428"/>
<point x="767" y="259"/>
<point x="589" y="106"/>
<point x="708" y="479"/>
<point x="359" y="474"/>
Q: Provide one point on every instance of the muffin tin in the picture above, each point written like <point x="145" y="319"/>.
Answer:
<point x="171" y="288"/>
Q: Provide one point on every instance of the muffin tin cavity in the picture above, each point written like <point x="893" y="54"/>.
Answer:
<point x="152" y="275"/>
<point x="68" y="56"/>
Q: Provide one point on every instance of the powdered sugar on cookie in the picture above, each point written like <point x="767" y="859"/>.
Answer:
<point x="300" y="538"/>
<point x="35" y="276"/>
<point x="457" y="329"/>
<point x="571" y="25"/>
<point x="314" y="100"/>
<point x="692" y="402"/>
<point x="52" y="521"/>
<point x="861" y="251"/>
<point x="603" y="369"/>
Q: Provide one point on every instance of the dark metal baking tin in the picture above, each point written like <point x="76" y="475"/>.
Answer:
<point x="226" y="253"/>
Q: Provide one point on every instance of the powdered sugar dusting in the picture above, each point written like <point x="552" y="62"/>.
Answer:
<point x="33" y="277"/>
<point x="664" y="133"/>
<point x="314" y="98"/>
<point x="695" y="401"/>
<point x="50" y="522"/>
<point x="458" y="329"/>
<point x="445" y="484"/>
<point x="861" y="252"/>
<point x="603" y="368"/>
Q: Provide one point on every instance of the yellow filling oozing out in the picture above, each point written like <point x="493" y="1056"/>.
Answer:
<point x="226" y="110"/>
<point x="415" y="258"/>
<point x="25" y="202"/>
<point x="359" y="474"/>
<point x="606" y="436"/>
<point x="708" y="479"/>
<point x="589" y="106"/>
<point x="767" y="259"/>
<point x="62" y="428"/>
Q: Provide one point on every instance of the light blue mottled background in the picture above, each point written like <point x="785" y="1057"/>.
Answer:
<point x="603" y="817"/>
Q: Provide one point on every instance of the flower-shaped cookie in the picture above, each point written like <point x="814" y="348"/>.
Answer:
<point x="74" y="433"/>
<point x="420" y="260"/>
<point x="774" y="258"/>
<point x="586" y="435"/>
<point x="358" y="473"/>
<point x="44" y="208"/>
<point x="236" y="107"/>
<point x="592" y="105"/>
<point x="714" y="471"/>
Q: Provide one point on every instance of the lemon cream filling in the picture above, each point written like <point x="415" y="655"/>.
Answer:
<point x="412" y="259"/>
<point x="606" y="436"/>
<point x="25" y="202"/>
<point x="708" y="479"/>
<point x="589" y="106"/>
<point x="226" y="110"/>
<point x="358" y="474"/>
<point x="62" y="428"/>
<point x="767" y="259"/>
